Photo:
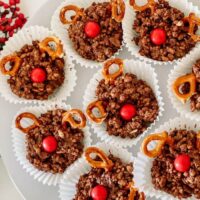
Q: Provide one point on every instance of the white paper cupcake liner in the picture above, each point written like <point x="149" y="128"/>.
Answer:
<point x="67" y="186"/>
<point x="26" y="36"/>
<point x="143" y="71"/>
<point x="129" y="33"/>
<point x="143" y="164"/>
<point x="19" y="144"/>
<point x="62" y="32"/>
<point x="182" y="68"/>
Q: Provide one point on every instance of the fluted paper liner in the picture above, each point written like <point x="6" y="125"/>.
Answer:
<point x="129" y="33"/>
<point x="67" y="186"/>
<point x="142" y="71"/>
<point x="19" y="144"/>
<point x="26" y="36"/>
<point x="182" y="68"/>
<point x="143" y="164"/>
<point x="62" y="31"/>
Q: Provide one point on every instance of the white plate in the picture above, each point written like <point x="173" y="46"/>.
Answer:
<point x="29" y="188"/>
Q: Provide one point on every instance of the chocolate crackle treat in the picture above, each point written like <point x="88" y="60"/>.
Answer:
<point x="163" y="33"/>
<point x="127" y="104"/>
<point x="96" y="32"/>
<point x="37" y="70"/>
<point x="108" y="179"/>
<point x="176" y="167"/>
<point x="187" y="87"/>
<point x="55" y="140"/>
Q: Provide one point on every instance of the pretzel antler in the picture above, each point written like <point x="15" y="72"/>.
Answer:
<point x="118" y="10"/>
<point x="193" y="20"/>
<point x="14" y="59"/>
<point x="181" y="80"/>
<point x="28" y="116"/>
<point x="111" y="77"/>
<point x="162" y="139"/>
<point x="150" y="4"/>
<point x="68" y="117"/>
<point x="44" y="46"/>
<point x="133" y="193"/>
<point x="99" y="105"/>
<point x="105" y="162"/>
<point x="65" y="9"/>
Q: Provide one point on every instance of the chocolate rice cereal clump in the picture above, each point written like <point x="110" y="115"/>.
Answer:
<point x="164" y="175"/>
<point x="116" y="181"/>
<point x="69" y="148"/>
<point x="195" y="101"/>
<point x="107" y="43"/>
<point x="127" y="89"/>
<point x="178" y="41"/>
<point x="31" y="58"/>
<point x="196" y="70"/>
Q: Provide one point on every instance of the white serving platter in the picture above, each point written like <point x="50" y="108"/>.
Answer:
<point x="29" y="188"/>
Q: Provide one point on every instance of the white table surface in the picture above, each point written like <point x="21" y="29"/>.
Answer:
<point x="30" y="188"/>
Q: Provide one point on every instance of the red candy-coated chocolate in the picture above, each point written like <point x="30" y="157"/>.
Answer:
<point x="182" y="163"/>
<point x="49" y="144"/>
<point x="92" y="29"/>
<point x="158" y="36"/>
<point x="128" y="111"/>
<point x="99" y="193"/>
<point x="38" y="75"/>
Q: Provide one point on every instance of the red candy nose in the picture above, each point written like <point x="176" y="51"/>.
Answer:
<point x="182" y="163"/>
<point x="158" y="36"/>
<point x="92" y="29"/>
<point x="128" y="111"/>
<point x="99" y="193"/>
<point x="49" y="144"/>
<point x="38" y="75"/>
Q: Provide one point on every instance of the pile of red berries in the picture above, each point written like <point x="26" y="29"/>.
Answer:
<point x="11" y="20"/>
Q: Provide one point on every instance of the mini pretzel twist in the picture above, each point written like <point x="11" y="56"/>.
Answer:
<point x="14" y="59"/>
<point x="99" y="105"/>
<point x="106" y="163"/>
<point x="181" y="80"/>
<point x="118" y="10"/>
<point x="162" y="139"/>
<point x="150" y="4"/>
<point x="68" y="117"/>
<point x="111" y="77"/>
<point x="44" y="46"/>
<point x="193" y="20"/>
<point x="198" y="140"/>
<point x="28" y="116"/>
<point x="65" y="9"/>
